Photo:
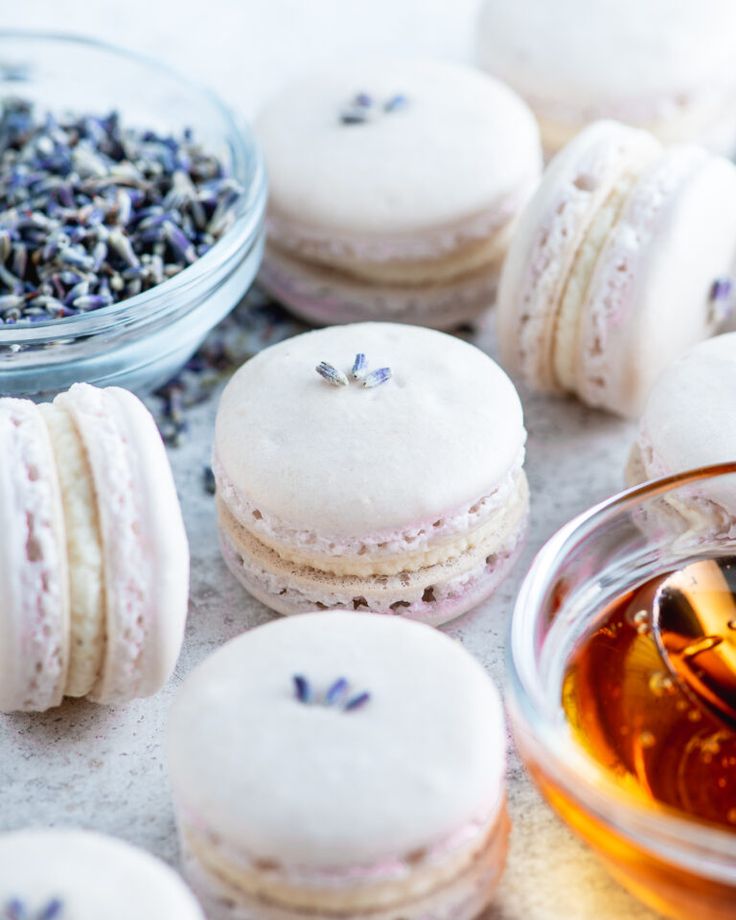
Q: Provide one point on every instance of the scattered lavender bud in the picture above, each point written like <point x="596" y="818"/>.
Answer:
<point x="331" y="374"/>
<point x="360" y="366"/>
<point x="377" y="377"/>
<point x="302" y="689"/>
<point x="721" y="300"/>
<point x="354" y="116"/>
<point x="208" y="480"/>
<point x="363" y="100"/>
<point x="721" y="289"/>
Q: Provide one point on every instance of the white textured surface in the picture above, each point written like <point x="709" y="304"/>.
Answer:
<point x="104" y="768"/>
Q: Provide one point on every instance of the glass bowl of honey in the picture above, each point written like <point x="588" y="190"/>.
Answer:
<point x="623" y="687"/>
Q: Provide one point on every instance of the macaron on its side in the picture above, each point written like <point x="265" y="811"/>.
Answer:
<point x="383" y="812"/>
<point x="408" y="497"/>
<point x="144" y="549"/>
<point x="393" y="178"/>
<point x="34" y="603"/>
<point x="86" y="876"/>
<point x="565" y="60"/>
<point x="537" y="303"/>
<point x="651" y="295"/>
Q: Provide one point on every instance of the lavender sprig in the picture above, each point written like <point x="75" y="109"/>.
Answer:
<point x="377" y="377"/>
<point x="331" y="374"/>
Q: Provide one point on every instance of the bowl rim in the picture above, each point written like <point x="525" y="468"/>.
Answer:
<point x="248" y="167"/>
<point x="698" y="847"/>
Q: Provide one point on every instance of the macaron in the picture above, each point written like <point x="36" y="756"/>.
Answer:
<point x="662" y="65"/>
<point x="372" y="466"/>
<point x="690" y="421"/>
<point x="340" y="765"/>
<point x="394" y="185"/>
<point x="94" y="564"/>
<point x="81" y="875"/>
<point x="622" y="260"/>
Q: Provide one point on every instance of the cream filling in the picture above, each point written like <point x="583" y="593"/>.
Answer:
<point x="84" y="552"/>
<point x="362" y="888"/>
<point x="573" y="303"/>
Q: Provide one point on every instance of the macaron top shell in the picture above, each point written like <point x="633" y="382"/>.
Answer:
<point x="443" y="431"/>
<point x="457" y="143"/>
<point x="90" y="876"/>
<point x="322" y="786"/>
<point x="690" y="418"/>
<point x="611" y="51"/>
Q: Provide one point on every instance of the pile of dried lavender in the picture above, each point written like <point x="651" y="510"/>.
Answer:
<point x="92" y="212"/>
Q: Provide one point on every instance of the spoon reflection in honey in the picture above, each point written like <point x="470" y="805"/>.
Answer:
<point x="694" y="625"/>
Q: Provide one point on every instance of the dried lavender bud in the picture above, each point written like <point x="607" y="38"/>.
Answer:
<point x="331" y="374"/>
<point x="336" y="692"/>
<point x="399" y="101"/>
<point x="86" y="199"/>
<point x="357" y="702"/>
<point x="302" y="689"/>
<point x="377" y="377"/>
<point x="208" y="481"/>
<point x="360" y="366"/>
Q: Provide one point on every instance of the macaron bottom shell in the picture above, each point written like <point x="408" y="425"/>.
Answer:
<point x="291" y="590"/>
<point x="461" y="896"/>
<point x="327" y="296"/>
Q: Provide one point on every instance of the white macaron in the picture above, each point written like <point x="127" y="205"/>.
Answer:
<point x="663" y="65"/>
<point x="621" y="261"/>
<point x="81" y="875"/>
<point x="394" y="185"/>
<point x="340" y="765"/>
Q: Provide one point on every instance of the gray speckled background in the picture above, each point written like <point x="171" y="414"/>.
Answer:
<point x="104" y="768"/>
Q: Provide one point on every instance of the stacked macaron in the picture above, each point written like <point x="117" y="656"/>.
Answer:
<point x="80" y="875"/>
<point x="94" y="562"/>
<point x="340" y="765"/>
<point x="394" y="186"/>
<point x="663" y="65"/>
<point x="690" y="422"/>
<point x="621" y="261"/>
<point x="371" y="467"/>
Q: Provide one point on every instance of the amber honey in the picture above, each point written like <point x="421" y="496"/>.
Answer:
<point x="657" y="743"/>
<point x="634" y="718"/>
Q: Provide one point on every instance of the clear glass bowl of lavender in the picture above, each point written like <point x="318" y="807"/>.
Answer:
<point x="131" y="215"/>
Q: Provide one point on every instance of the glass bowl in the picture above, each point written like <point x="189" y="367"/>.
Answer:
<point x="674" y="863"/>
<point x="142" y="341"/>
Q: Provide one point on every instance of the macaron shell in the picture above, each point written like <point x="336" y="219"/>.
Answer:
<point x="325" y="297"/>
<point x="93" y="876"/>
<point x="316" y="786"/>
<point x="34" y="604"/>
<point x="650" y="296"/>
<point x="440" y="434"/>
<point x="461" y="143"/>
<point x="144" y="545"/>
